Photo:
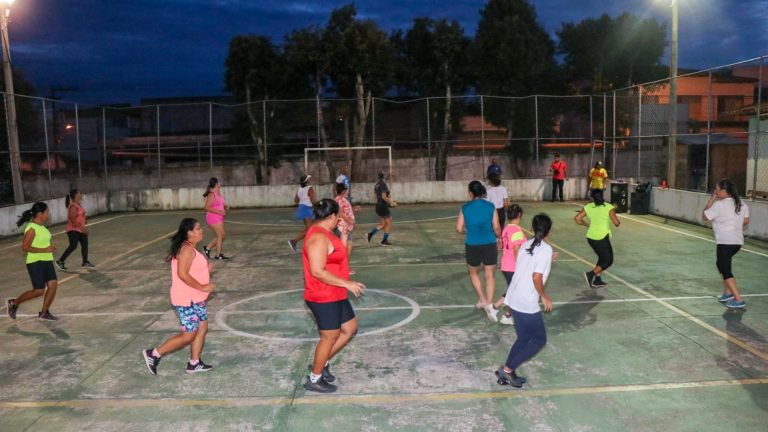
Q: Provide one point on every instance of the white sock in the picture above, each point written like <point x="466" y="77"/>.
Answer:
<point x="194" y="362"/>
<point x="328" y="363"/>
<point x="155" y="353"/>
<point x="314" y="378"/>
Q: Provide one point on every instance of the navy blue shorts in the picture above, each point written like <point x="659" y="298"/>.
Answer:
<point x="41" y="272"/>
<point x="331" y="315"/>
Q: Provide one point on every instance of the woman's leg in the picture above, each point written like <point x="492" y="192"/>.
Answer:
<point x="196" y="346"/>
<point x="303" y="233"/>
<point x="50" y="294"/>
<point x="348" y="331"/>
<point x="176" y="342"/>
<point x="725" y="254"/>
<point x="218" y="229"/>
<point x="73" y="239"/>
<point x="490" y="281"/>
<point x="474" y="277"/>
<point x="532" y="336"/>
<point x="28" y="295"/>
<point x="324" y="348"/>
<point x="84" y="246"/>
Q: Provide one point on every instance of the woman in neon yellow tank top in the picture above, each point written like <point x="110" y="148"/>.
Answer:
<point x="601" y="215"/>
<point x="37" y="245"/>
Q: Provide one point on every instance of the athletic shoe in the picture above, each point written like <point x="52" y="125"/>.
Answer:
<point x="292" y="244"/>
<point x="321" y="386"/>
<point x="199" y="367"/>
<point x="12" y="308"/>
<point x="151" y="361"/>
<point x="207" y="251"/>
<point x="47" y="316"/>
<point x="327" y="375"/>
<point x="221" y="257"/>
<point x="589" y="277"/>
<point x="480" y="304"/>
<point x="88" y="265"/>
<point x="61" y="266"/>
<point x="733" y="304"/>
<point x="368" y="237"/>
<point x="509" y="378"/>
<point x="598" y="283"/>
<point x="507" y="320"/>
<point x="490" y="312"/>
<point x="725" y="298"/>
<point x="386" y="243"/>
<point x="351" y="272"/>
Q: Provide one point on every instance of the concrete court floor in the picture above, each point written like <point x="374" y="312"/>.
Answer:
<point x="652" y="351"/>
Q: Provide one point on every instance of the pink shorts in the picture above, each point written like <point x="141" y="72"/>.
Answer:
<point x="213" y="218"/>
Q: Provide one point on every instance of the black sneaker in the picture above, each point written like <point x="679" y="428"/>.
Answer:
<point x="152" y="361"/>
<point x="88" y="265"/>
<point x="199" y="367"/>
<point x="207" y="251"/>
<point x="368" y="237"/>
<point x="590" y="278"/>
<point x="386" y="243"/>
<point x="509" y="378"/>
<point x="327" y="375"/>
<point x="221" y="257"/>
<point x="61" y="266"/>
<point x="47" y="316"/>
<point x="598" y="283"/>
<point x="12" y="307"/>
<point x="321" y="386"/>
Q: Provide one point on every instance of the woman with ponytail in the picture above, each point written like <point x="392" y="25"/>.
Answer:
<point x="215" y="209"/>
<point x="601" y="215"/>
<point x="190" y="287"/>
<point x="531" y="272"/>
<point x="76" y="230"/>
<point x="481" y="222"/>
<point x="37" y="245"/>
<point x="729" y="215"/>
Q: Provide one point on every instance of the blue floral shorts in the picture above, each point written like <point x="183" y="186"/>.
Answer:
<point x="190" y="317"/>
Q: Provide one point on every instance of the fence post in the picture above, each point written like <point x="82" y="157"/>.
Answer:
<point x="77" y="137"/>
<point x="429" y="138"/>
<point x="615" y="154"/>
<point x="317" y="118"/>
<point x="605" y="124"/>
<point x="104" y="143"/>
<point x="373" y="123"/>
<point x="47" y="154"/>
<point x="709" y="129"/>
<point x="639" y="128"/>
<point x="759" y="129"/>
<point x="536" y="109"/>
<point x="159" y="174"/>
<point x="482" y="134"/>
<point x="264" y="133"/>
<point x="210" y="138"/>
<point x="591" y="122"/>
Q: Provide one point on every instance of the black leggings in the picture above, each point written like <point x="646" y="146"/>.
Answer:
<point x="603" y="250"/>
<point x="502" y="212"/>
<point x="557" y="185"/>
<point x="75" y="238"/>
<point x="725" y="255"/>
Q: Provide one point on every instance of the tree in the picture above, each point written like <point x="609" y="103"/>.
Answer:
<point x="514" y="56"/>
<point x="360" y="64"/>
<point x="433" y="58"/>
<point x="253" y="72"/>
<point x="605" y="53"/>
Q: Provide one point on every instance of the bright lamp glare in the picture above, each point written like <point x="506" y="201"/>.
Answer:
<point x="8" y="2"/>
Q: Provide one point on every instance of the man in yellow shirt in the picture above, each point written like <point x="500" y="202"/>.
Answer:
<point x="597" y="178"/>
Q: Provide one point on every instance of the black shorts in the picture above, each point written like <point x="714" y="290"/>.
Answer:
<point x="481" y="254"/>
<point x="382" y="209"/>
<point x="41" y="272"/>
<point x="330" y="316"/>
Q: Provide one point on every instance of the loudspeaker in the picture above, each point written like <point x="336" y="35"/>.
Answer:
<point x="620" y="196"/>
<point x="640" y="203"/>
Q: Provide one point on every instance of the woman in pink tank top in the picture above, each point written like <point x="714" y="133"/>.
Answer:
<point x="190" y="287"/>
<point x="215" y="209"/>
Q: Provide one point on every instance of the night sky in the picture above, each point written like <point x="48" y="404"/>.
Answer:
<point x="122" y="51"/>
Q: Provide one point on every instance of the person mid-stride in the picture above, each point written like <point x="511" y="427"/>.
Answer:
<point x="531" y="272"/>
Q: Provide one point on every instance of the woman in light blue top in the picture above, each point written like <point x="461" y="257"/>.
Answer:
<point x="479" y="219"/>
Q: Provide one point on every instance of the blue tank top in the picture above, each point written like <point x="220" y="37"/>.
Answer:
<point x="478" y="220"/>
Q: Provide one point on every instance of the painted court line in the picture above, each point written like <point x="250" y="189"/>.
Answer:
<point x="424" y="398"/>
<point x="64" y="232"/>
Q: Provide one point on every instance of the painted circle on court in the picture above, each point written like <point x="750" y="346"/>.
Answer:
<point x="221" y="314"/>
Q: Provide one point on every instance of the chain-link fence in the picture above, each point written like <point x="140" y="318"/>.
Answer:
<point x="721" y="131"/>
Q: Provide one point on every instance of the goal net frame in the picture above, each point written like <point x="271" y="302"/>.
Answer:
<point x="307" y="150"/>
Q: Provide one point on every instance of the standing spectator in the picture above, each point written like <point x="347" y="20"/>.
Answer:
<point x="729" y="215"/>
<point x="558" y="168"/>
<point x="76" y="230"/>
<point x="493" y="168"/>
<point x="597" y="177"/>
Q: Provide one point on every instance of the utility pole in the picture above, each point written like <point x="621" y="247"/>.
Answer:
<point x="10" y="103"/>
<point x="672" y="154"/>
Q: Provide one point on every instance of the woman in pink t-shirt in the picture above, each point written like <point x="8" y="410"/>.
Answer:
<point x="76" y="230"/>
<point x="511" y="239"/>
<point x="215" y="210"/>
<point x="190" y="287"/>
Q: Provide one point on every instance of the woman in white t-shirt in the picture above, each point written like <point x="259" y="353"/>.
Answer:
<point x="497" y="194"/>
<point x="729" y="216"/>
<point x="534" y="263"/>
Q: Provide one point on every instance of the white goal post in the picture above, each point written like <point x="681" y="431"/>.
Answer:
<point x="324" y="149"/>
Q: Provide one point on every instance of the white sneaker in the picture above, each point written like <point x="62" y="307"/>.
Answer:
<point x="491" y="312"/>
<point x="507" y="320"/>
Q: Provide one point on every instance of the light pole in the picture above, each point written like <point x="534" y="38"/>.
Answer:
<point x="10" y="102"/>
<point x="672" y="154"/>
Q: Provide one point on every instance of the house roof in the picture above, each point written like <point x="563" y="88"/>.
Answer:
<point x="715" y="138"/>
<point x="476" y="124"/>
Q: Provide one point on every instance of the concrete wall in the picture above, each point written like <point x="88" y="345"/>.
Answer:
<point x="94" y="203"/>
<point x="687" y="206"/>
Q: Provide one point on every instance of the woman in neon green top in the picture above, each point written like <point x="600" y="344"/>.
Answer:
<point x="37" y="245"/>
<point x="601" y="215"/>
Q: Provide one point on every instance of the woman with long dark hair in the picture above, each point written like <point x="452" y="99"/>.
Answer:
<point x="190" y="287"/>
<point x="383" y="203"/>
<point x="77" y="232"/>
<point x="601" y="215"/>
<point x="526" y="289"/>
<point x="37" y="245"/>
<point x="215" y="210"/>
<point x="305" y="198"/>
<point x="326" y="283"/>
<point x="729" y="215"/>
<point x="481" y="222"/>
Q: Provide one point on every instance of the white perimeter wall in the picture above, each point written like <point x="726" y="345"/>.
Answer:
<point x="94" y="203"/>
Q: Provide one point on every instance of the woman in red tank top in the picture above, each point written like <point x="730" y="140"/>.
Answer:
<point x="326" y="282"/>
